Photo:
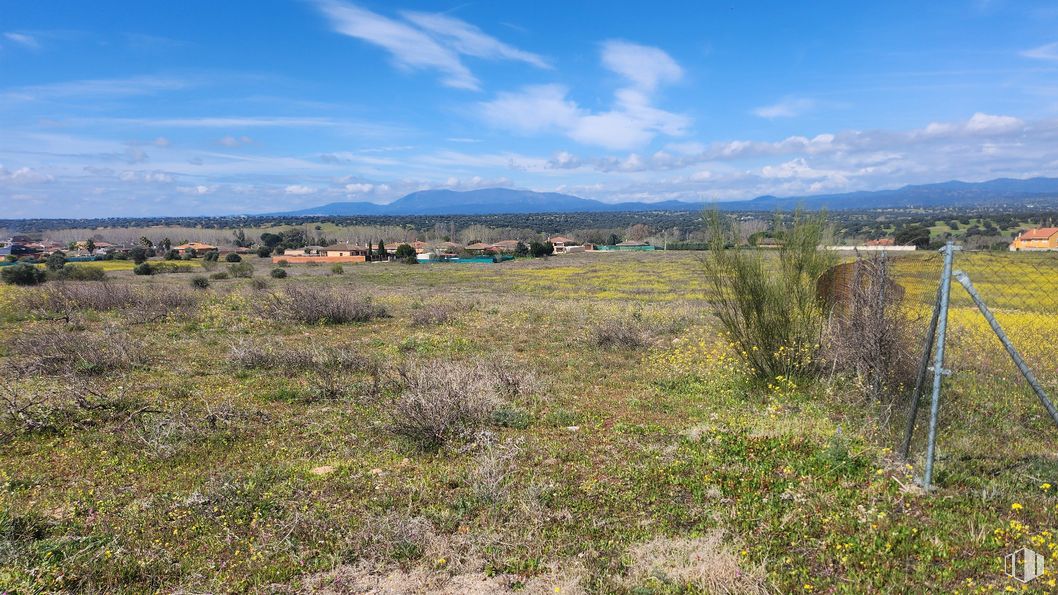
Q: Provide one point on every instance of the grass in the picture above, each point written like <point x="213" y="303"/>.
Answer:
<point x="622" y="464"/>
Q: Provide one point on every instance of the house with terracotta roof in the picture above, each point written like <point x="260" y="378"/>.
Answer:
<point x="560" y="243"/>
<point x="479" y="247"/>
<point x="506" y="245"/>
<point x="882" y="242"/>
<point x="1043" y="238"/>
<point x="194" y="248"/>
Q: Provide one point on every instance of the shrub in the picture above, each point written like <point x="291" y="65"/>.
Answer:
<point x="211" y="256"/>
<point x="769" y="308"/>
<point x="144" y="268"/>
<point x="337" y="269"/>
<point x="138" y="254"/>
<point x="313" y="305"/>
<point x="433" y="314"/>
<point x="233" y="257"/>
<point x="199" y="282"/>
<point x="264" y="251"/>
<point x="172" y="255"/>
<point x="278" y="274"/>
<point x="243" y="270"/>
<point x="442" y="401"/>
<point x="22" y="274"/>
<point x="282" y="262"/>
<point x="259" y="284"/>
<point x="80" y="273"/>
<point x="869" y="333"/>
<point x="56" y="260"/>
<point x="620" y="334"/>
<point x="219" y="275"/>
<point x="58" y="350"/>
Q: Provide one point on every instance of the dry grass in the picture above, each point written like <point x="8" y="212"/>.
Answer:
<point x="621" y="333"/>
<point x="703" y="564"/>
<point x="60" y="350"/>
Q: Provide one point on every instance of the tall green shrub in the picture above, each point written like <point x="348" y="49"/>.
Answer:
<point x="766" y="300"/>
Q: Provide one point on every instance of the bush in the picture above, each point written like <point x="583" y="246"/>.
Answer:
<point x="313" y="305"/>
<point x="538" y="249"/>
<point x="219" y="275"/>
<point x="233" y="257"/>
<point x="433" y="314"/>
<point x="57" y="350"/>
<point x="144" y="268"/>
<point x="243" y="270"/>
<point x="264" y="251"/>
<point x="22" y="274"/>
<point x="283" y="263"/>
<point x="172" y="255"/>
<point x="211" y="256"/>
<point x="278" y="274"/>
<point x="442" y="401"/>
<point x="56" y="260"/>
<point x="337" y="269"/>
<point x="199" y="282"/>
<point x="769" y="308"/>
<point x="620" y="334"/>
<point x="80" y="273"/>
<point x="138" y="254"/>
<point x="405" y="253"/>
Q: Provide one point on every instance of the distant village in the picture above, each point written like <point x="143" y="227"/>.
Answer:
<point x="25" y="248"/>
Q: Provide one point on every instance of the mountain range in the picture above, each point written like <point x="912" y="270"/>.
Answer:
<point x="489" y="201"/>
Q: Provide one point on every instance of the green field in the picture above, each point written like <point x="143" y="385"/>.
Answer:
<point x="647" y="465"/>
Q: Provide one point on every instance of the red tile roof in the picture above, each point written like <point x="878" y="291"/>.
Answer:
<point x="1039" y="234"/>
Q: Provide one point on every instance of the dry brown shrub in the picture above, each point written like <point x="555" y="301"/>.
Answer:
<point x="621" y="333"/>
<point x="60" y="350"/>
<point x="435" y="314"/>
<point x="141" y="304"/>
<point x="442" y="401"/>
<point x="251" y="355"/>
<point x="869" y="333"/>
<point x="703" y="564"/>
<point x="317" y="305"/>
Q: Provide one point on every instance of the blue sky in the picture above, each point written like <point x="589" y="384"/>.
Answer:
<point x="170" y="108"/>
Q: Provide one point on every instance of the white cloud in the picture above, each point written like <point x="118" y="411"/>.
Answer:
<point x="470" y="40"/>
<point x="299" y="189"/>
<point x="788" y="107"/>
<point x="631" y="122"/>
<point x="410" y="47"/>
<point x="22" y="39"/>
<point x="139" y="85"/>
<point x="233" y="141"/>
<point x="23" y="175"/>
<point x="359" y="188"/>
<point x="645" y="66"/>
<point x="1047" y="51"/>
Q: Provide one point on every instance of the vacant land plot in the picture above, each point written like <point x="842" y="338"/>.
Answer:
<point x="573" y="424"/>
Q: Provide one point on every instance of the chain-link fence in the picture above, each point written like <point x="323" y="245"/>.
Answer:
<point x="990" y="419"/>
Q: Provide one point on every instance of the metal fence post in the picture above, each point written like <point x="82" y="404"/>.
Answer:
<point x="964" y="280"/>
<point x="938" y="363"/>
<point x="923" y="367"/>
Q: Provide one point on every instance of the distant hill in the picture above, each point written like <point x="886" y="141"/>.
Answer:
<point x="489" y="201"/>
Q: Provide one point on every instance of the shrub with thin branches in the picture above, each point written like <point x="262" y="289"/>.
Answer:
<point x="315" y="305"/>
<point x="442" y="401"/>
<point x="620" y="333"/>
<point x="59" y="350"/>
<point x="769" y="307"/>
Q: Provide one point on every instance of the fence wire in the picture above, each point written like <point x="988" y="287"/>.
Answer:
<point x="990" y="419"/>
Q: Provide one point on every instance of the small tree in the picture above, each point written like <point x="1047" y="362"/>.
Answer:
<point x="278" y="273"/>
<point x="537" y="249"/>
<point x="199" y="282"/>
<point x="56" y="260"/>
<point x="264" y="251"/>
<point x="520" y="249"/>
<point x="381" y="250"/>
<point x="90" y="246"/>
<point x="233" y="257"/>
<point x="172" y="255"/>
<point x="369" y="251"/>
<point x="241" y="269"/>
<point x="337" y="269"/>
<point x="144" y="268"/>
<point x="22" y="274"/>
<point x="138" y="254"/>
<point x="405" y="253"/>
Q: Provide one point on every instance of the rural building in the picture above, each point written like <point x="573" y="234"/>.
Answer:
<point x="560" y="243"/>
<point x="479" y="247"/>
<point x="306" y="251"/>
<point x="345" y="250"/>
<point x="882" y="242"/>
<point x="194" y="247"/>
<point x="506" y="245"/>
<point x="627" y="246"/>
<point x="1043" y="238"/>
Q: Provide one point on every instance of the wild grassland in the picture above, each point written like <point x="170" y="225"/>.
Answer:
<point x="652" y="466"/>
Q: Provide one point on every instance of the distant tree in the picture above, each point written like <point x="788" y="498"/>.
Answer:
<point x="22" y="274"/>
<point x="240" y="240"/>
<point x="166" y="244"/>
<point x="233" y="257"/>
<point x="638" y="232"/>
<point x="144" y="268"/>
<point x="381" y="250"/>
<point x="56" y="260"/>
<point x="913" y="235"/>
<point x="405" y="253"/>
<point x="271" y="239"/>
<point x="71" y="246"/>
<point x="520" y="249"/>
<point x="145" y="242"/>
<point x="538" y="249"/>
<point x="172" y="255"/>
<point x="211" y="256"/>
<point x="369" y="251"/>
<point x="549" y="248"/>
<point x="264" y="251"/>
<point x="613" y="240"/>
<point x="138" y="254"/>
<point x="90" y="245"/>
